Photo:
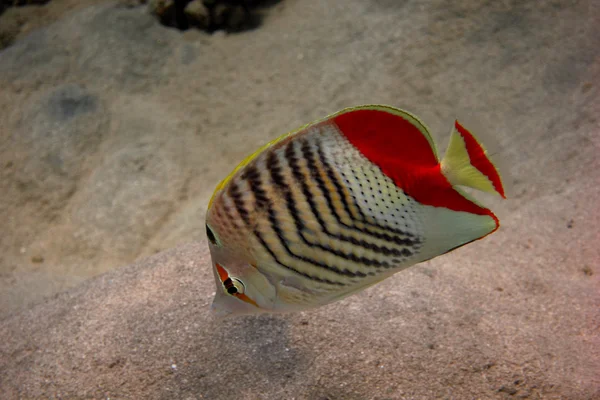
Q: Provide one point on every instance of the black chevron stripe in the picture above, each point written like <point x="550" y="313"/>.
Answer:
<point x="256" y="187"/>
<point x="312" y="161"/>
<point x="411" y="241"/>
<point x="235" y="194"/>
<point x="274" y="168"/>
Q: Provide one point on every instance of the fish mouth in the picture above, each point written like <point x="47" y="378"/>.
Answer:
<point x="224" y="306"/>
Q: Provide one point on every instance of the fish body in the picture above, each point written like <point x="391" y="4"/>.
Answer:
<point x="339" y="205"/>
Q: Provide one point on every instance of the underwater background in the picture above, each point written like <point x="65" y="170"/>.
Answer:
<point x="119" y="118"/>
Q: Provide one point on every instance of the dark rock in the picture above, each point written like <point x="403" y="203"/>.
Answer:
<point x="209" y="15"/>
<point x="5" y="4"/>
<point x="10" y="26"/>
<point x="14" y="18"/>
<point x="198" y="14"/>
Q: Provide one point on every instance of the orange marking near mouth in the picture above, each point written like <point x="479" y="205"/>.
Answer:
<point x="247" y="299"/>
<point x="223" y="275"/>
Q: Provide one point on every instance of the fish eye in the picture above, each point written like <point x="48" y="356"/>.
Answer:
<point x="211" y="235"/>
<point x="234" y="286"/>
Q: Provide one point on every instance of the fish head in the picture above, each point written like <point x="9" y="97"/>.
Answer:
<point x="241" y="289"/>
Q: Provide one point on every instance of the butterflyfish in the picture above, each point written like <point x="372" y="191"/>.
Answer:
<point x="340" y="204"/>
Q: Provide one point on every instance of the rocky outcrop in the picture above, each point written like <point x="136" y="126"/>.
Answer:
<point x="209" y="15"/>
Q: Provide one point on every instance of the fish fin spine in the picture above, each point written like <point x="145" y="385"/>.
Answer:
<point x="467" y="163"/>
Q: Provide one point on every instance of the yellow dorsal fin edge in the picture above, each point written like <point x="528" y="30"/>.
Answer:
<point x="402" y="113"/>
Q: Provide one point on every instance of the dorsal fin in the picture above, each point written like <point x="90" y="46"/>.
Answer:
<point x="385" y="133"/>
<point x="394" y="140"/>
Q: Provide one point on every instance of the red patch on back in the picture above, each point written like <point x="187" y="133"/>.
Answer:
<point x="479" y="159"/>
<point x="404" y="154"/>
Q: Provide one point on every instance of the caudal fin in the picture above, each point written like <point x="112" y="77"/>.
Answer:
<point x="467" y="163"/>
